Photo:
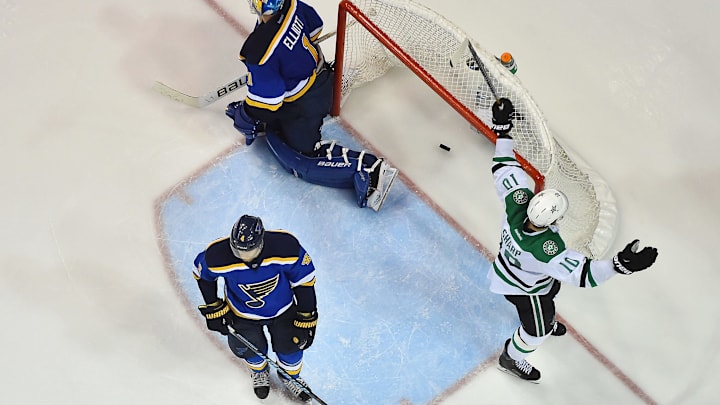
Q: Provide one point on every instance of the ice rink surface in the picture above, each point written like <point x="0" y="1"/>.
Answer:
<point x="110" y="190"/>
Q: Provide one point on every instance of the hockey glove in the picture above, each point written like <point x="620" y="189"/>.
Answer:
<point x="215" y="316"/>
<point x="503" y="113"/>
<point x="305" y="324"/>
<point x="248" y="126"/>
<point x="630" y="260"/>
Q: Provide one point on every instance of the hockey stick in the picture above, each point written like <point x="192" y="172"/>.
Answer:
<point x="215" y="95"/>
<point x="280" y="370"/>
<point x="204" y="100"/>
<point x="483" y="70"/>
<point x="455" y="61"/>
<point x="455" y="58"/>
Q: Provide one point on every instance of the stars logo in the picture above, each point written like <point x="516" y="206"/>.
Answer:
<point x="550" y="247"/>
<point x="520" y="197"/>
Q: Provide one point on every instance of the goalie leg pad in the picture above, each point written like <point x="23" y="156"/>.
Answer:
<point x="362" y="186"/>
<point x="336" y="166"/>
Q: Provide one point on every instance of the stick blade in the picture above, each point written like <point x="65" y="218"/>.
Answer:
<point x="176" y="95"/>
<point x="456" y="58"/>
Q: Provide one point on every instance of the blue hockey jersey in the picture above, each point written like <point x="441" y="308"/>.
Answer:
<point x="261" y="289"/>
<point x="281" y="57"/>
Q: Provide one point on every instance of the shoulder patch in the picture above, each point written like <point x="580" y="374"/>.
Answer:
<point x="520" y="197"/>
<point x="306" y="259"/>
<point x="550" y="247"/>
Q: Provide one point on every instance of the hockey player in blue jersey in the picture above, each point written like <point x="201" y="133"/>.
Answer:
<point x="269" y="283"/>
<point x="533" y="259"/>
<point x="289" y="95"/>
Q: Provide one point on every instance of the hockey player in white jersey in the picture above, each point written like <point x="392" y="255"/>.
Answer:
<point x="533" y="260"/>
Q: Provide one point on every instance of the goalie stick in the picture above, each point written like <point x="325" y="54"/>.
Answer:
<point x="215" y="95"/>
<point x="280" y="370"/>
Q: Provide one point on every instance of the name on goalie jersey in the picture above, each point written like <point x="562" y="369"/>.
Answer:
<point x="293" y="34"/>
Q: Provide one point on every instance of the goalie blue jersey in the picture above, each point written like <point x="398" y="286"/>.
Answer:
<point x="261" y="289"/>
<point x="281" y="56"/>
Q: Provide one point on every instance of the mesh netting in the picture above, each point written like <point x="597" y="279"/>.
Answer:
<point x="432" y="41"/>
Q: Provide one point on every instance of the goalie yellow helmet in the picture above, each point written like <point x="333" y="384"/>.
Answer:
<point x="547" y="207"/>
<point x="266" y="7"/>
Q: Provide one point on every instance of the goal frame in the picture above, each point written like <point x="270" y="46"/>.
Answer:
<point x="345" y="7"/>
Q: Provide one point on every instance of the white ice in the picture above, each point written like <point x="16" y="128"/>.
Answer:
<point x="90" y="314"/>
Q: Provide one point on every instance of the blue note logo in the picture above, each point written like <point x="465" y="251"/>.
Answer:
<point x="257" y="291"/>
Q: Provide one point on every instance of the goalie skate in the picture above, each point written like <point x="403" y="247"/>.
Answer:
<point x="386" y="178"/>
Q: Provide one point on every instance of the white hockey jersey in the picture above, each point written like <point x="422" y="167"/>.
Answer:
<point x="528" y="263"/>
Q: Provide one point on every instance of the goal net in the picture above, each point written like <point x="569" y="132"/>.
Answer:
<point x="374" y="36"/>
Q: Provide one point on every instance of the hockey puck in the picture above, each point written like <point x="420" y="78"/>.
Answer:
<point x="444" y="147"/>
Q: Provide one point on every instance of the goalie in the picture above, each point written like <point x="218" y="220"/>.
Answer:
<point x="290" y="93"/>
<point x="533" y="260"/>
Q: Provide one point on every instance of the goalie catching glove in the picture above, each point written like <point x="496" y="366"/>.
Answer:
<point x="630" y="260"/>
<point x="248" y="126"/>
<point x="305" y="324"/>
<point x="214" y="314"/>
<point x="503" y="112"/>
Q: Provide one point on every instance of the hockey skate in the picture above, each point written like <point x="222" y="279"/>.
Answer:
<point x="261" y="383"/>
<point x="295" y="391"/>
<point x="521" y="369"/>
<point x="559" y="329"/>
<point x="379" y="191"/>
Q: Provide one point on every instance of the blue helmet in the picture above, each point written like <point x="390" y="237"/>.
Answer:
<point x="247" y="236"/>
<point x="267" y="7"/>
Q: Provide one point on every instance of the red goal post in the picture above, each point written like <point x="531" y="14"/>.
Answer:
<point x="376" y="35"/>
<point x="347" y="7"/>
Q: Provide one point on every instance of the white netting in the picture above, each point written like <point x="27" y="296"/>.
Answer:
<point x="432" y="41"/>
